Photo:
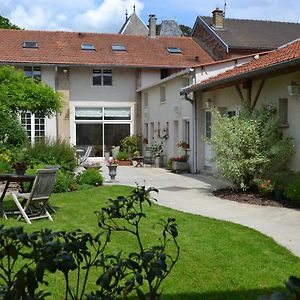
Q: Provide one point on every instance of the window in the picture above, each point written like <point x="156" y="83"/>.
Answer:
<point x="186" y="131"/>
<point x="164" y="73"/>
<point x="145" y="100"/>
<point x="283" y="111"/>
<point x="174" y="50"/>
<point x="162" y="94"/>
<point x="231" y="113"/>
<point x="146" y="133"/>
<point x="88" y="47"/>
<point x="34" y="126"/>
<point x="102" y="77"/>
<point x="118" y="48"/>
<point x="33" y="72"/>
<point x="30" y="45"/>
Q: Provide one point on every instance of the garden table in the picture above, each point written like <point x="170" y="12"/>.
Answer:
<point x="139" y="161"/>
<point x="13" y="178"/>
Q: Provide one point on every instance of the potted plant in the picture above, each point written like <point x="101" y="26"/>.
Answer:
<point x="157" y="152"/>
<point x="130" y="144"/>
<point x="183" y="147"/>
<point x="20" y="167"/>
<point x="180" y="164"/>
<point x="115" y="151"/>
<point x="112" y="165"/>
<point x="123" y="159"/>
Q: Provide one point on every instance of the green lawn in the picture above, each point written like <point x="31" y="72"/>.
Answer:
<point x="218" y="260"/>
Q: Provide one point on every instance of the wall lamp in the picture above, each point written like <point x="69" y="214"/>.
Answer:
<point x="293" y="89"/>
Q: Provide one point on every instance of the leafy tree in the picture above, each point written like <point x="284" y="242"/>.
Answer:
<point x="186" y="30"/>
<point x="19" y="93"/>
<point x="5" y="24"/>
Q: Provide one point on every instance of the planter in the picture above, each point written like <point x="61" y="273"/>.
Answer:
<point x="112" y="171"/>
<point x="158" y="162"/>
<point x="180" y="166"/>
<point x="20" y="171"/>
<point x="125" y="162"/>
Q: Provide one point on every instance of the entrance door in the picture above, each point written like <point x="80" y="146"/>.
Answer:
<point x="207" y="146"/>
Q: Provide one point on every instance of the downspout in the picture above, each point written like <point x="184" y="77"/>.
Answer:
<point x="194" y="131"/>
<point x="56" y="89"/>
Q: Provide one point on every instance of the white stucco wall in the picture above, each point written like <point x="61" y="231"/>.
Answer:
<point x="175" y="109"/>
<point x="274" y="89"/>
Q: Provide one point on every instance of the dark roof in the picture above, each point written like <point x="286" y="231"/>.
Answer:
<point x="255" y="34"/>
<point x="284" y="57"/>
<point x="64" y="48"/>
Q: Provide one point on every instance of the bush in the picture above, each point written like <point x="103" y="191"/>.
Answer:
<point x="292" y="190"/>
<point x="265" y="187"/>
<point x="62" y="182"/>
<point x="249" y="146"/>
<point x="90" y="177"/>
<point x="130" y="144"/>
<point x="122" y="155"/>
<point x="52" y="152"/>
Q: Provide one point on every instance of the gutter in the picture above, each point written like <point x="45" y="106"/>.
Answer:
<point x="262" y="71"/>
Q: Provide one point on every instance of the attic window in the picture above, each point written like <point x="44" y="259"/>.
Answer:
<point x="118" y="47"/>
<point x="174" y="50"/>
<point x="30" y="45"/>
<point x="89" y="47"/>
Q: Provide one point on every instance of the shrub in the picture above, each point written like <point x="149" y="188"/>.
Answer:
<point x="249" y="146"/>
<point x="51" y="152"/>
<point x="62" y="182"/>
<point x="292" y="190"/>
<point x="265" y="187"/>
<point x="122" y="155"/>
<point x="90" y="177"/>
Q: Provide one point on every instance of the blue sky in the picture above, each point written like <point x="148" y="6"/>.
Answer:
<point x="109" y="15"/>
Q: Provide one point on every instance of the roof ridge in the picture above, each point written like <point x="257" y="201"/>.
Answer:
<point x="256" y="20"/>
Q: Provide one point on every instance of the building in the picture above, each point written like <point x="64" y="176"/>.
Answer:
<point x="98" y="75"/>
<point x="268" y="78"/>
<point x="225" y="38"/>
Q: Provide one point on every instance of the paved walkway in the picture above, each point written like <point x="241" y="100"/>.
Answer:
<point x="192" y="193"/>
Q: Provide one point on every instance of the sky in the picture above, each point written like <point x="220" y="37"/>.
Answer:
<point x="109" y="15"/>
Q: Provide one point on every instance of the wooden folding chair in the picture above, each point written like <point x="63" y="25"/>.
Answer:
<point x="36" y="202"/>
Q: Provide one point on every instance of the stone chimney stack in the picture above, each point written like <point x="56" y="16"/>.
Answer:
<point x="218" y="18"/>
<point x="152" y="26"/>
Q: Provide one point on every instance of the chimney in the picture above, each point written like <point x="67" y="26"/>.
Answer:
<point x="218" y="18"/>
<point x="152" y="26"/>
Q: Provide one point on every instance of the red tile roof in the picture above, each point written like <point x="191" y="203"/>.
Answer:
<point x="56" y="47"/>
<point x="283" y="54"/>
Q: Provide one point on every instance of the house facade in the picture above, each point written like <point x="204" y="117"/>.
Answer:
<point x="98" y="76"/>
<point x="225" y="38"/>
<point x="270" y="78"/>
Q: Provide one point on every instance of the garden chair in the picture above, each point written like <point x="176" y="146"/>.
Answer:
<point x="148" y="157"/>
<point x="85" y="155"/>
<point x="36" y="203"/>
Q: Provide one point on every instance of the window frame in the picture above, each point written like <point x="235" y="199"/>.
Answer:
<point x="104" y="74"/>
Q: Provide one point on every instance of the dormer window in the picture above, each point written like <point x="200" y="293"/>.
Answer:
<point x="30" y="45"/>
<point x="118" y="48"/>
<point x="88" y="47"/>
<point x="174" y="50"/>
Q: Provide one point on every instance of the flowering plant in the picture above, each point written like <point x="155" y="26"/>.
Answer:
<point x="182" y="158"/>
<point x="112" y="162"/>
<point x="265" y="187"/>
<point x="182" y="144"/>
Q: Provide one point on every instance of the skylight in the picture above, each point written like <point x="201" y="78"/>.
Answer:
<point x="89" y="47"/>
<point x="174" y="50"/>
<point x="118" y="47"/>
<point x="30" y="45"/>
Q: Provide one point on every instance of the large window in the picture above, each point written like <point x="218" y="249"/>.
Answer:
<point x="34" y="125"/>
<point x="101" y="127"/>
<point x="102" y="77"/>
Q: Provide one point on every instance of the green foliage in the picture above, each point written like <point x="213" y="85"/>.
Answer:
<point x="130" y="144"/>
<point x="19" y="93"/>
<point x="186" y="30"/>
<point x="90" y="177"/>
<point x="292" y="189"/>
<point x="62" y="182"/>
<point x="12" y="134"/>
<point x="249" y="146"/>
<point x="26" y="259"/>
<point x="122" y="155"/>
<point x="265" y="187"/>
<point x="157" y="149"/>
<point x="6" y="24"/>
<point x="52" y="152"/>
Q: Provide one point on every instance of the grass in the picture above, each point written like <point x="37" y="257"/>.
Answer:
<point x="218" y="260"/>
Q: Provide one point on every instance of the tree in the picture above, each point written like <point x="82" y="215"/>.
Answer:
<point x="19" y="93"/>
<point x="5" y="24"/>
